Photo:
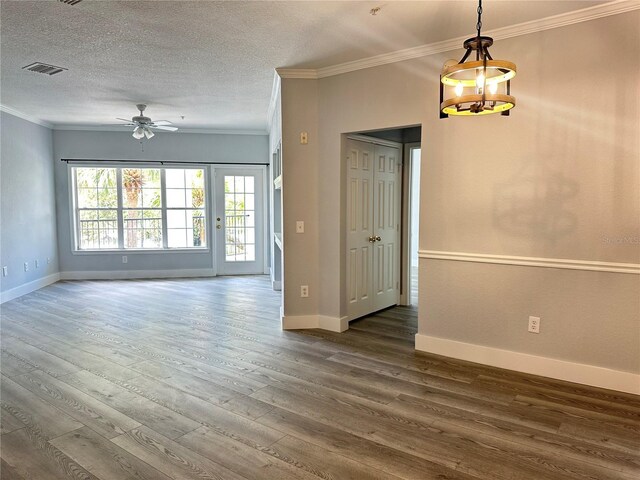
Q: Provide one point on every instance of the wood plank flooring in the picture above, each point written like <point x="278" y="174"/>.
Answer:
<point x="194" y="379"/>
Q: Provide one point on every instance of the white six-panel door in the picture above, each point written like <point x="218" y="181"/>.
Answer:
<point x="373" y="227"/>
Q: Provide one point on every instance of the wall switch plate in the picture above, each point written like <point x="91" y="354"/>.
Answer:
<point x="304" y="138"/>
<point x="26" y="266"/>
<point x="124" y="259"/>
<point x="37" y="264"/>
<point x="299" y="226"/>
<point x="304" y="291"/>
<point x="534" y="324"/>
<point x="5" y="271"/>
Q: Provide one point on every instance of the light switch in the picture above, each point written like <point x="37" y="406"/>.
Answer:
<point x="304" y="138"/>
<point x="299" y="226"/>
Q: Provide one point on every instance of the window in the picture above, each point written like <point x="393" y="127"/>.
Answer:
<point x="142" y="208"/>
<point x="185" y="208"/>
<point x="139" y="208"/>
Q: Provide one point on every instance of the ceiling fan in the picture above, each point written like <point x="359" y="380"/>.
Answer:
<point x="143" y="125"/>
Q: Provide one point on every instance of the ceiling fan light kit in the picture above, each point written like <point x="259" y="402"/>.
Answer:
<point x="140" y="132"/>
<point x="143" y="126"/>
<point x="477" y="87"/>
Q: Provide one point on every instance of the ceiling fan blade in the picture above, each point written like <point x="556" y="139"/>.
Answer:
<point x="119" y="124"/>
<point x="128" y="120"/>
<point x="164" y="127"/>
<point x="161" y="122"/>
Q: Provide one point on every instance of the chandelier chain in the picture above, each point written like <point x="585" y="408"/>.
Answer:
<point x="479" y="24"/>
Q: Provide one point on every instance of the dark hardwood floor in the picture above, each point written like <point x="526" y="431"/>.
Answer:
<point x="193" y="379"/>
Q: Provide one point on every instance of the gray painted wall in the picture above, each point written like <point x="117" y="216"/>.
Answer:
<point x="175" y="147"/>
<point x="554" y="180"/>
<point x="28" y="217"/>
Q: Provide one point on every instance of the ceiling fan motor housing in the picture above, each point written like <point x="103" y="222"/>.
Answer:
<point x="141" y="119"/>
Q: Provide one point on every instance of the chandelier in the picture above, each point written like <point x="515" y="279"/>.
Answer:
<point x="477" y="87"/>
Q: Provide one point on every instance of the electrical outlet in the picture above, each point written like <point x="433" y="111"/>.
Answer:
<point x="304" y="291"/>
<point x="48" y="260"/>
<point x="26" y="266"/>
<point x="5" y="271"/>
<point x="124" y="259"/>
<point x="37" y="264"/>
<point x="304" y="138"/>
<point x="534" y="324"/>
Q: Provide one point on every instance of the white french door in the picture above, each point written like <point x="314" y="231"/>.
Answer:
<point x="238" y="220"/>
<point x="373" y="227"/>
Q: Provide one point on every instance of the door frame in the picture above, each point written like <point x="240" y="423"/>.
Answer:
<point x="344" y="174"/>
<point x="265" y="212"/>
<point x="405" y="263"/>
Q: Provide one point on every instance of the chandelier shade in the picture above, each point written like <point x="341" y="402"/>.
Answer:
<point x="476" y="87"/>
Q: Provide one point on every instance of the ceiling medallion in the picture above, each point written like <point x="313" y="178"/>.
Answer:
<point x="477" y="87"/>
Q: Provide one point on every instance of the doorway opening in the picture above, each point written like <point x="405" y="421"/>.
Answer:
<point x="382" y="186"/>
<point x="413" y="157"/>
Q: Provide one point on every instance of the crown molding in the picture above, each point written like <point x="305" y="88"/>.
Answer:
<point x="24" y="116"/>
<point x="219" y="131"/>
<point x="556" y="21"/>
<point x="98" y="128"/>
<point x="110" y="128"/>
<point x="306" y="73"/>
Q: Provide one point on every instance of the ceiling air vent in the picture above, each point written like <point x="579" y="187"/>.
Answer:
<point x="40" y="67"/>
<point x="71" y="2"/>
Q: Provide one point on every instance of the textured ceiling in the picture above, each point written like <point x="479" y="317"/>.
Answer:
<point x="210" y="61"/>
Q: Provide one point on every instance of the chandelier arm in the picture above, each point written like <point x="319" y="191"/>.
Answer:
<point x="465" y="56"/>
<point x="487" y="54"/>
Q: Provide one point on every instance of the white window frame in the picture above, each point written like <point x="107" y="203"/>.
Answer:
<point x="75" y="220"/>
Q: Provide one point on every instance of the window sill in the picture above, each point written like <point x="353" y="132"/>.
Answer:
<point x="140" y="251"/>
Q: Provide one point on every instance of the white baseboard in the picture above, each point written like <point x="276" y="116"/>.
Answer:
<point x="29" y="287"/>
<point x="298" y="322"/>
<point x="333" y="324"/>
<point x="526" y="363"/>
<point x="131" y="274"/>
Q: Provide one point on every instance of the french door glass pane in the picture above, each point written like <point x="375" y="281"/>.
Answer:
<point x="239" y="218"/>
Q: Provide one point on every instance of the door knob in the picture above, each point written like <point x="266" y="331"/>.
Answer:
<point x="372" y="239"/>
<point x="218" y="226"/>
<point x="377" y="238"/>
